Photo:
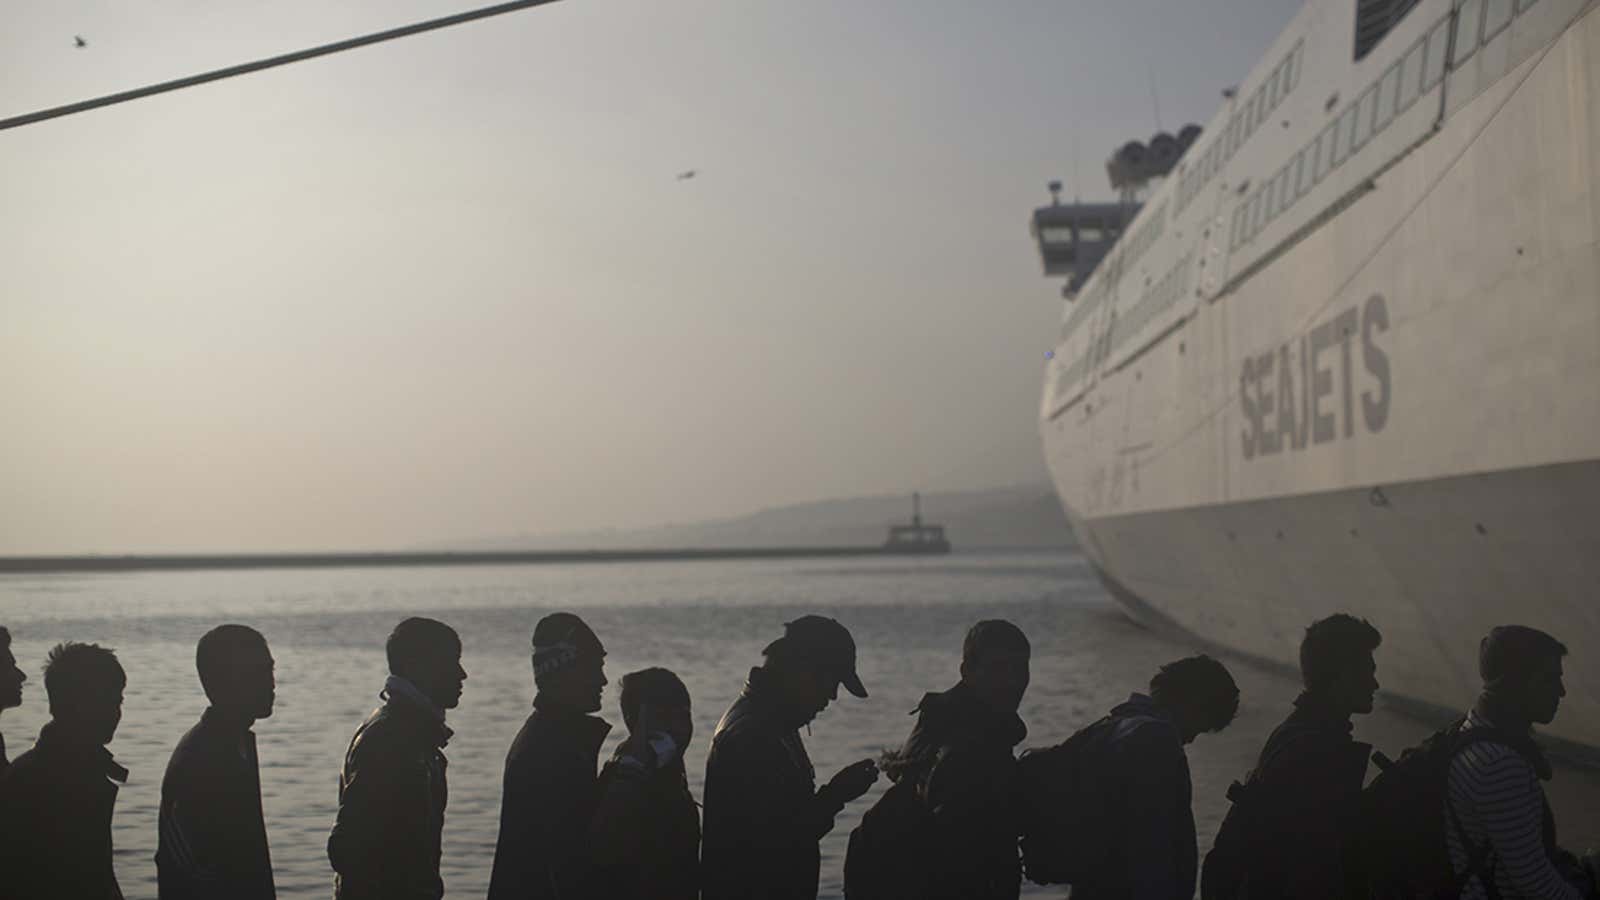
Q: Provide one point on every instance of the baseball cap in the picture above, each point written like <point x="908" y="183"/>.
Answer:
<point x="825" y="643"/>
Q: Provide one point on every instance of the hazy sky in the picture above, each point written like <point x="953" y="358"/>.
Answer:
<point x="449" y="287"/>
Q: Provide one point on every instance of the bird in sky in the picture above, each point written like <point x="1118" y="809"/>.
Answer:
<point x="78" y="41"/>
<point x="687" y="174"/>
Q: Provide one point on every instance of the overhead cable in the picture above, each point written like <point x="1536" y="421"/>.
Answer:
<point x="269" y="63"/>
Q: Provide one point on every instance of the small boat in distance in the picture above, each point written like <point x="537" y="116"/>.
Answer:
<point x="916" y="537"/>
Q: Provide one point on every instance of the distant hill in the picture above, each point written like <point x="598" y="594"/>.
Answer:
<point x="1018" y="517"/>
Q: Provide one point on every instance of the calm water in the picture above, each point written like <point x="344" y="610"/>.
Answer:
<point x="706" y="620"/>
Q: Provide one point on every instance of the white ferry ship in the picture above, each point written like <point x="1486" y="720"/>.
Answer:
<point x="1342" y="351"/>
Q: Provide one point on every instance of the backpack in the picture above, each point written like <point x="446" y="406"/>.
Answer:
<point x="1239" y="839"/>
<point x="1404" y="814"/>
<point x="887" y="853"/>
<point x="1068" y="807"/>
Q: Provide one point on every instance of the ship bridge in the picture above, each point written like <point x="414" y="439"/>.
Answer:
<point x="1074" y="237"/>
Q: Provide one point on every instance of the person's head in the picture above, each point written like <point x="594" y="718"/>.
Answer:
<point x="1521" y="666"/>
<point x="1199" y="692"/>
<point x="235" y="669"/>
<point x="1336" y="662"/>
<point x="569" y="662"/>
<point x="427" y="653"/>
<point x="11" y="677"/>
<point x="656" y="700"/>
<point x="994" y="663"/>
<point x="815" y="655"/>
<point x="84" y="683"/>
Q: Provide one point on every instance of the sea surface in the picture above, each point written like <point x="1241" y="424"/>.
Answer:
<point x="705" y="620"/>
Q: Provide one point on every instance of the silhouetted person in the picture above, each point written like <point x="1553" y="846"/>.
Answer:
<point x="645" y="837"/>
<point x="947" y="827"/>
<point x="1494" y="799"/>
<point x="1292" y="829"/>
<point x="213" y="840"/>
<point x="11" y="679"/>
<point x="386" y="840"/>
<point x="1141" y="774"/>
<point x="763" y="811"/>
<point x="549" y="790"/>
<point x="57" y="799"/>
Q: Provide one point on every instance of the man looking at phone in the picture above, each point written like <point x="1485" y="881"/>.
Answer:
<point x="542" y="852"/>
<point x="764" y="813"/>
<point x="644" y="841"/>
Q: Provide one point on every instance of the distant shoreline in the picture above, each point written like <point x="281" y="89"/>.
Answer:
<point x="161" y="563"/>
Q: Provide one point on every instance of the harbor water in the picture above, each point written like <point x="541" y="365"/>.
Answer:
<point x="706" y="620"/>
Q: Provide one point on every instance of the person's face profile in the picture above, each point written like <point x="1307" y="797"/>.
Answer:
<point x="1544" y="692"/>
<point x="11" y="679"/>
<point x="442" y="678"/>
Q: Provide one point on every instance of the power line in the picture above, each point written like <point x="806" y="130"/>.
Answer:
<point x="269" y="63"/>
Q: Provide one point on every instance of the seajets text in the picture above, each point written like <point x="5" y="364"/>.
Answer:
<point x="1304" y="392"/>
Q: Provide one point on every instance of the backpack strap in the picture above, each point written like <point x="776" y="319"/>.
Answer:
<point x="1481" y="863"/>
<point x="1480" y="859"/>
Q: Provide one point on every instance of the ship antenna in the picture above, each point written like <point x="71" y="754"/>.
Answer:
<point x="1155" y="101"/>
<point x="1077" y="192"/>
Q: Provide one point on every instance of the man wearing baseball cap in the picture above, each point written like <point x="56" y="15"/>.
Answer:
<point x="764" y="814"/>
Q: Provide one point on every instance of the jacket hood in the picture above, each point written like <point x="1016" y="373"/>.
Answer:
<point x="763" y="696"/>
<point x="1142" y="706"/>
<point x="957" y="711"/>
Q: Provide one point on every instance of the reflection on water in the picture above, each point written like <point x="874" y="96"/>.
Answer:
<point x="706" y="620"/>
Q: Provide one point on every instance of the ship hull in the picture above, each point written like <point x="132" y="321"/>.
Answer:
<point x="1395" y="413"/>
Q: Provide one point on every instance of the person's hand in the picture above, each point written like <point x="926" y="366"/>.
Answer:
<point x="1591" y="867"/>
<point x="853" y="781"/>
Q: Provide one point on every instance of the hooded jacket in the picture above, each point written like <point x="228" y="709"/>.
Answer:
<point x="763" y="812"/>
<point x="1298" y="822"/>
<point x="385" y="843"/>
<point x="645" y="836"/>
<point x="56" y="803"/>
<point x="959" y="765"/>
<point x="213" y="840"/>
<point x="1155" y="855"/>
<point x="549" y="798"/>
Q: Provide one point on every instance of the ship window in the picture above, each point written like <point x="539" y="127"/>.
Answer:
<point x="1296" y="62"/>
<point x="1387" y="89"/>
<point x="1056" y="234"/>
<point x="1091" y="232"/>
<point x="1468" y="21"/>
<point x="1363" y="129"/>
<point x="1438" y="46"/>
<point x="1496" y="16"/>
<point x="1270" y="89"/>
<point x="1286" y="192"/>
<point x="1269" y="201"/>
<point x="1231" y="137"/>
<point x="1525" y="5"/>
<point x="1341" y="136"/>
<point x="1324" y="152"/>
<point x="1237" y="232"/>
<point x="1302" y="172"/>
<point x="1411" y="75"/>
<point x="1376" y="18"/>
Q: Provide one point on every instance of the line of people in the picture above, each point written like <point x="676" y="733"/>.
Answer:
<point x="1107" y="811"/>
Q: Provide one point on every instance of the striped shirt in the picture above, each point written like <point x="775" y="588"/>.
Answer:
<point x="1495" y="796"/>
